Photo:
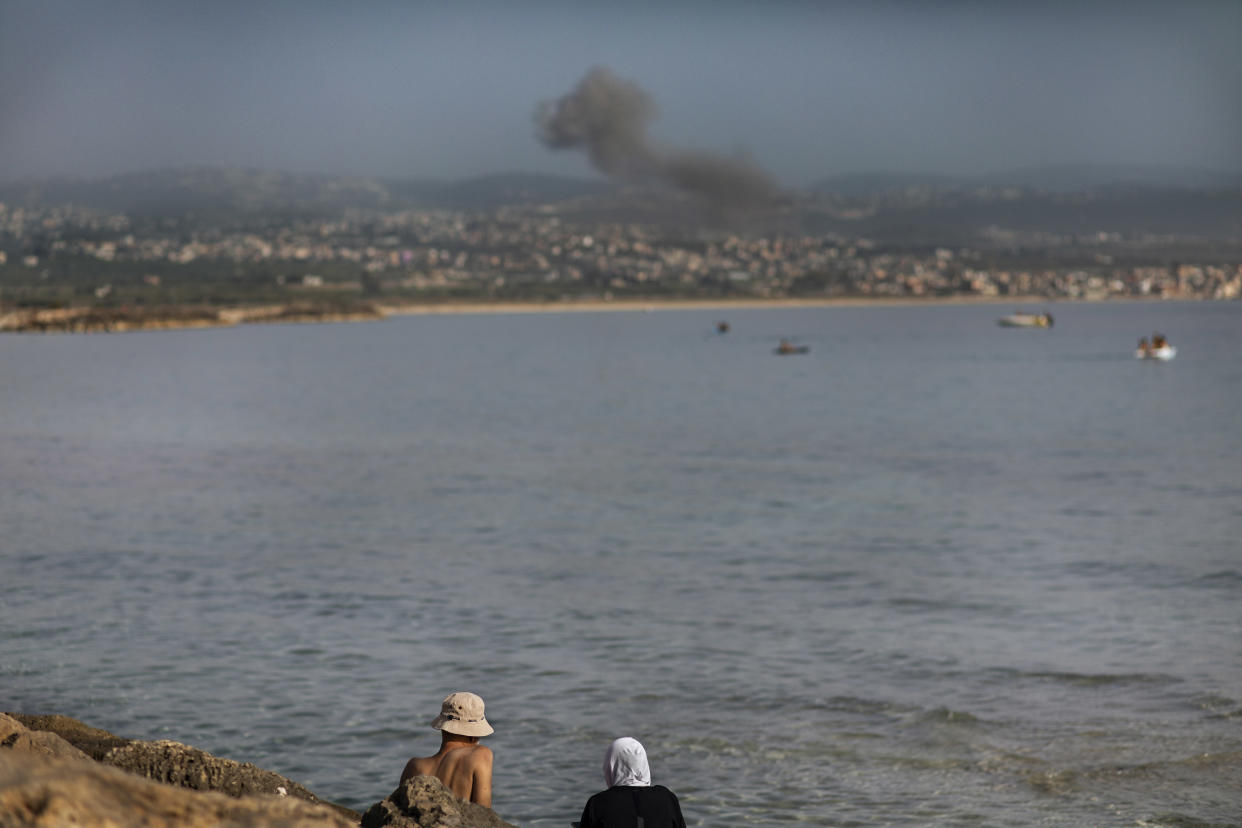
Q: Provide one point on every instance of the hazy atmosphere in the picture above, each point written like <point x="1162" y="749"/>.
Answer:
<point x="839" y="398"/>
<point x="796" y="90"/>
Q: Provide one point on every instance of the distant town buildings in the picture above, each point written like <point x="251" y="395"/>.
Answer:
<point x="534" y="250"/>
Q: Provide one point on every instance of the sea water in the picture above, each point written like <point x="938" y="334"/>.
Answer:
<point x="932" y="571"/>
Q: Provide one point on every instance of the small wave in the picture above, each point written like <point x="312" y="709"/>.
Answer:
<point x="291" y="595"/>
<point x="943" y="715"/>
<point x="1057" y="783"/>
<point x="853" y="704"/>
<point x="1228" y="759"/>
<point x="1180" y="821"/>
<point x="1092" y="476"/>
<point x="1202" y="492"/>
<point x="349" y="660"/>
<point x="1092" y="569"/>
<point x="1224" y="578"/>
<point x="40" y="632"/>
<point x="934" y="605"/>
<point x="385" y="734"/>
<point x="1218" y="707"/>
<point x="929" y="763"/>
<point x="1082" y="511"/>
<point x="1083" y="679"/>
<point x="1169" y="767"/>
<point x="812" y="577"/>
<point x="834" y="704"/>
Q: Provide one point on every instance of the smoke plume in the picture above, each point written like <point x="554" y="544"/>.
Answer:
<point x="608" y="117"/>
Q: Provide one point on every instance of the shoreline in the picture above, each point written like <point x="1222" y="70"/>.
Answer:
<point x="175" y="317"/>
<point x="650" y="305"/>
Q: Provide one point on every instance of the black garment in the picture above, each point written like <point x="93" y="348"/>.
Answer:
<point x="621" y="805"/>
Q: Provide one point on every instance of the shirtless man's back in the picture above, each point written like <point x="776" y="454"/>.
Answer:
<point x="465" y="768"/>
<point x="462" y="764"/>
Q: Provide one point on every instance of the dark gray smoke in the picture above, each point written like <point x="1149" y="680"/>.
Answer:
<point x="608" y="117"/>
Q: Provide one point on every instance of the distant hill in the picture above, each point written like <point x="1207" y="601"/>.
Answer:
<point x="882" y="206"/>
<point x="1071" y="177"/>
<point x="1188" y="213"/>
<point x="861" y="185"/>
<point x="1068" y="199"/>
<point x="491" y="191"/>
<point x="1061" y="178"/>
<point x="180" y="191"/>
<point x="219" y="190"/>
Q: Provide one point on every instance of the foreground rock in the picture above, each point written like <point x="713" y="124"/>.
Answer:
<point x="188" y="767"/>
<point x="92" y="741"/>
<point x="18" y="739"/>
<point x="171" y="763"/>
<point x="43" y="792"/>
<point x="424" y="802"/>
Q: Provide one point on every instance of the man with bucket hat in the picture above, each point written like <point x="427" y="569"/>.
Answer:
<point x="462" y="764"/>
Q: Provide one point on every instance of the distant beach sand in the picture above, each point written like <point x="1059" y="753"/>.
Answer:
<point x="94" y="320"/>
<point x="645" y="305"/>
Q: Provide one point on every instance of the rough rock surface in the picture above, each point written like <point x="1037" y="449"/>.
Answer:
<point x="90" y="740"/>
<point x="424" y="802"/>
<point x="40" y="792"/>
<point x="188" y="767"/>
<point x="16" y="737"/>
<point x="169" y="762"/>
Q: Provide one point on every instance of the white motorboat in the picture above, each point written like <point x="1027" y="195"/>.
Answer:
<point x="1021" y="319"/>
<point x="1165" y="352"/>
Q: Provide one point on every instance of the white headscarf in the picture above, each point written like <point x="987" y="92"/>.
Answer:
<point x="625" y="763"/>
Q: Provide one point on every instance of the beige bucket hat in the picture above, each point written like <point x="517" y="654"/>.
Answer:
<point x="462" y="713"/>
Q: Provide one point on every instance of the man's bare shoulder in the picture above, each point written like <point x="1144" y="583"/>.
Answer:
<point x="477" y="754"/>
<point x="420" y="766"/>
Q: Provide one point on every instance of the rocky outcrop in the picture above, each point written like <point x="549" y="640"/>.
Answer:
<point x="171" y="763"/>
<point x="16" y="737"/>
<point x="424" y="802"/>
<point x="117" y="319"/>
<point x="41" y="792"/>
<point x="92" y="741"/>
<point x="93" y="320"/>
<point x="302" y="312"/>
<point x="188" y="767"/>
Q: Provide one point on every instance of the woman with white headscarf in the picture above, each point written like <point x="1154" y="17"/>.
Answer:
<point x="631" y="801"/>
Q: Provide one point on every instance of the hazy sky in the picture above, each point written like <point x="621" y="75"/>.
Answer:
<point x="808" y="89"/>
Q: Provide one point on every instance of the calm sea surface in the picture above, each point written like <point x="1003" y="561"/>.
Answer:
<point x="932" y="572"/>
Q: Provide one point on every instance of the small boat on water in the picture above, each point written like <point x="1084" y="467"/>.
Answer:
<point x="786" y="347"/>
<point x="1158" y="348"/>
<point x="1022" y="319"/>
<point x="722" y="327"/>
<point x="1164" y="353"/>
